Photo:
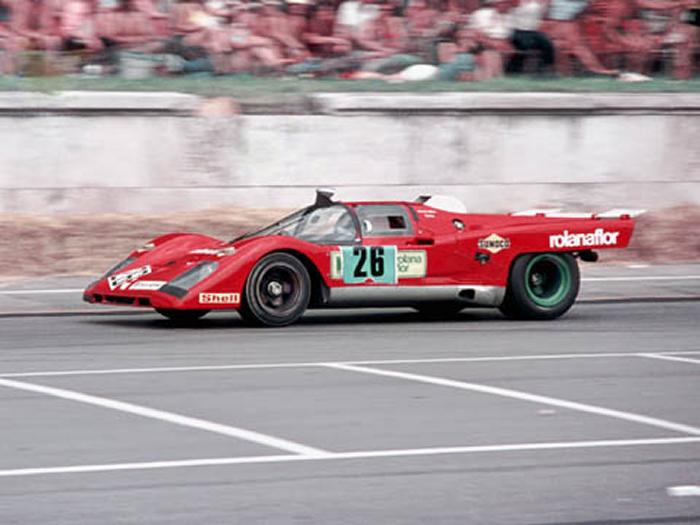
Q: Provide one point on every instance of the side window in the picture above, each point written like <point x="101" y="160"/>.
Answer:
<point x="384" y="220"/>
<point x="327" y="225"/>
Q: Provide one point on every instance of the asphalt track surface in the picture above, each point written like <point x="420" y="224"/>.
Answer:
<point x="353" y="417"/>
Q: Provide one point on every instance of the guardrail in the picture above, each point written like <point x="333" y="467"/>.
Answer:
<point x="85" y="152"/>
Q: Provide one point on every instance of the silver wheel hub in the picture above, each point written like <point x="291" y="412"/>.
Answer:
<point x="274" y="289"/>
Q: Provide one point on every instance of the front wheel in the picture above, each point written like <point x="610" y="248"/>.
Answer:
<point x="277" y="291"/>
<point x="541" y="286"/>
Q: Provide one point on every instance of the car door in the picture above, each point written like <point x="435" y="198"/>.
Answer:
<point x="392" y="250"/>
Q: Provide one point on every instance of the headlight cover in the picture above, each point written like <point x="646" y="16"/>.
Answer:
<point x="123" y="264"/>
<point x="179" y="286"/>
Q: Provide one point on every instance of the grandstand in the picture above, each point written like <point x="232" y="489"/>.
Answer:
<point x="393" y="40"/>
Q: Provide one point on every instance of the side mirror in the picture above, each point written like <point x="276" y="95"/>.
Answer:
<point x="324" y="197"/>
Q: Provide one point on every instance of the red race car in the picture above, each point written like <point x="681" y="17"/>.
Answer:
<point x="428" y="254"/>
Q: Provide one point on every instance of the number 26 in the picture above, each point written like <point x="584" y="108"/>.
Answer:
<point x="376" y="261"/>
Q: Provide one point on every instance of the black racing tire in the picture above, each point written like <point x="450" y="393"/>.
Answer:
<point x="277" y="291"/>
<point x="541" y="286"/>
<point x="182" y="316"/>
<point x="438" y="310"/>
<point x="246" y="316"/>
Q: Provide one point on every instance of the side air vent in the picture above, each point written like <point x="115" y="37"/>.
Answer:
<point x="119" y="299"/>
<point x="467" y="294"/>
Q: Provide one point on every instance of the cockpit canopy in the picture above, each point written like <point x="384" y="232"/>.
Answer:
<point x="326" y="225"/>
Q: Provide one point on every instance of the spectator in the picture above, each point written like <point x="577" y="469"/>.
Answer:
<point x="352" y="15"/>
<point x="562" y="25"/>
<point x="465" y="57"/>
<point x="444" y="39"/>
<point x="329" y="45"/>
<point x="278" y="27"/>
<point x="420" y="22"/>
<point x="199" y="37"/>
<point x="36" y="23"/>
<point x="493" y="30"/>
<point x="456" y="62"/>
<point x="190" y="23"/>
<point x="297" y="17"/>
<point x="526" y="19"/>
<point x="680" y="38"/>
<point x="10" y="43"/>
<point x="622" y="34"/>
<point x="157" y="13"/>
<point x="249" y="51"/>
<point x="507" y="31"/>
<point x="78" y="26"/>
<point x="384" y="42"/>
<point x="126" y="28"/>
<point x="320" y="35"/>
<point x="427" y="27"/>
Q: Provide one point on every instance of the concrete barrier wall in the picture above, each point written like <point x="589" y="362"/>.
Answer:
<point x="97" y="152"/>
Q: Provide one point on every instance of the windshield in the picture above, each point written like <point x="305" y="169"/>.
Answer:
<point x="328" y="225"/>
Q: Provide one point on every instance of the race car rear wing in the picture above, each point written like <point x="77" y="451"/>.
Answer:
<point x="615" y="213"/>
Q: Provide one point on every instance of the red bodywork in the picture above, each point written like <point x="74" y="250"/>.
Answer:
<point x="459" y="248"/>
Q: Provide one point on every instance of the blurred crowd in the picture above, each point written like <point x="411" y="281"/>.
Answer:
<point x="389" y="39"/>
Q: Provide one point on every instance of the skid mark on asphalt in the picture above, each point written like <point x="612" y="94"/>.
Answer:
<point x="359" y="455"/>
<point x="524" y="396"/>
<point x="169" y="417"/>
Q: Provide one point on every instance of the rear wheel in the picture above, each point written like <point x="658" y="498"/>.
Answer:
<point x="277" y="291"/>
<point x="541" y="286"/>
<point x="182" y="316"/>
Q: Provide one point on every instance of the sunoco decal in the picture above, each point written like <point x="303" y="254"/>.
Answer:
<point x="123" y="279"/>
<point x="599" y="237"/>
<point x="219" y="298"/>
<point x="494" y="243"/>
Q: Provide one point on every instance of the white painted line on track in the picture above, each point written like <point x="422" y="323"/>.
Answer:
<point x="41" y="292"/>
<point x="330" y="456"/>
<point x="524" y="396"/>
<point x="641" y="278"/>
<point x="169" y="417"/>
<point x="487" y="359"/>
<point x="671" y="357"/>
<point x="302" y="364"/>
<point x="681" y="491"/>
<point x="147" y="370"/>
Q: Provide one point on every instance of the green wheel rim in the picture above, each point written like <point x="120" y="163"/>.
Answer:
<point x="547" y="280"/>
